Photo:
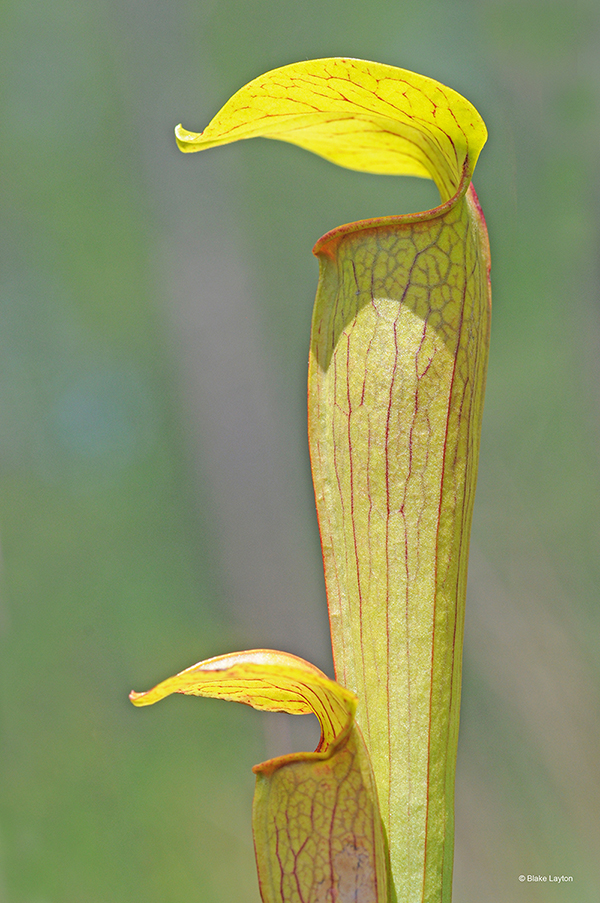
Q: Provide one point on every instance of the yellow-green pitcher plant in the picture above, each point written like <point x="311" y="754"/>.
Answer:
<point x="398" y="357"/>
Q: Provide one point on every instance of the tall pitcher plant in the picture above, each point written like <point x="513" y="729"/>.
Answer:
<point x="398" y="357"/>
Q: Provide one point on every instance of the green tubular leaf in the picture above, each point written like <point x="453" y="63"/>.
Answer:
<point x="396" y="382"/>
<point x="317" y="830"/>
<point x="358" y="114"/>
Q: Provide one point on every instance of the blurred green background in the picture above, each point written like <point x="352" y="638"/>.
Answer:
<point x="156" y="504"/>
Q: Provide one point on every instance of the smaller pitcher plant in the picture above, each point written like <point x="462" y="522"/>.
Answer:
<point x="398" y="358"/>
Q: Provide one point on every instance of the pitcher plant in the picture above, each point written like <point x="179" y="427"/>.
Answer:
<point x="398" y="357"/>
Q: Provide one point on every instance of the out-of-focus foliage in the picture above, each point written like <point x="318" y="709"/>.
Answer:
<point x="155" y="495"/>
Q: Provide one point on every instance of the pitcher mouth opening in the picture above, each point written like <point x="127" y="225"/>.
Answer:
<point x="325" y="243"/>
